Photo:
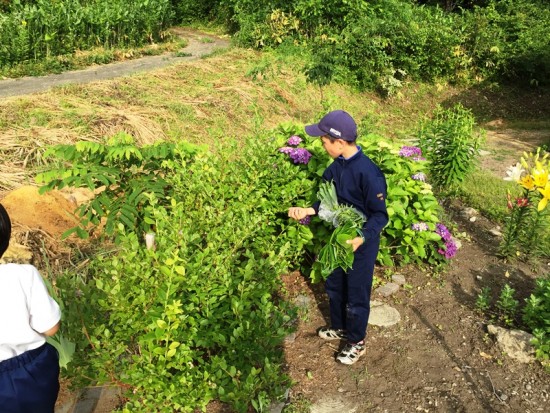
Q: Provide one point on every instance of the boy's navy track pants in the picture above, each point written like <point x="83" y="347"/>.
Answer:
<point x="349" y="293"/>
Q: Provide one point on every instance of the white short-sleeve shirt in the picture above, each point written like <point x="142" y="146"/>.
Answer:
<point x="26" y="310"/>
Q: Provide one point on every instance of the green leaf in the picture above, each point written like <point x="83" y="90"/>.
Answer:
<point x="64" y="347"/>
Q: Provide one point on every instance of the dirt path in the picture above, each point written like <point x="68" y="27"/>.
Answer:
<point x="200" y="45"/>
<point x="439" y="358"/>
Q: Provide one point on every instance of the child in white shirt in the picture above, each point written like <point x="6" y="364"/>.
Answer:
<point x="29" y="367"/>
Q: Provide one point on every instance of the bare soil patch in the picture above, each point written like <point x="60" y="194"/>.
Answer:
<point x="506" y="145"/>
<point x="439" y="358"/>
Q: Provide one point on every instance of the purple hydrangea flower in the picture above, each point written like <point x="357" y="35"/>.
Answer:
<point x="450" y="249"/>
<point x="410" y="151"/>
<point x="305" y="221"/>
<point x="301" y="155"/>
<point x="294" y="140"/>
<point x="443" y="232"/>
<point x="420" y="176"/>
<point x="298" y="155"/>
<point x="420" y="226"/>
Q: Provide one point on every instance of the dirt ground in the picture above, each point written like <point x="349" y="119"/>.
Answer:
<point x="439" y="358"/>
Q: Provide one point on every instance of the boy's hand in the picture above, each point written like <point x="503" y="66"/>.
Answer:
<point x="298" y="213"/>
<point x="355" y="242"/>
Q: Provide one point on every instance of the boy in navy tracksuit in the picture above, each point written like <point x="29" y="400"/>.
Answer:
<point x="361" y="184"/>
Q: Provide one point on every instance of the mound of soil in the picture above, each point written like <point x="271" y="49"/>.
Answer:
<point x="50" y="212"/>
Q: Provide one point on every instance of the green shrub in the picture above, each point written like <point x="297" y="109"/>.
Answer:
<point x="198" y="315"/>
<point x="451" y="145"/>
<point x="414" y="233"/>
<point x="536" y="314"/>
<point x="509" y="39"/>
<point x="123" y="176"/>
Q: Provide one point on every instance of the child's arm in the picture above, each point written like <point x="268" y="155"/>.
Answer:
<point x="298" y="213"/>
<point x="52" y="330"/>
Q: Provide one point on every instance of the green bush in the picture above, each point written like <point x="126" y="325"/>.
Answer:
<point x="391" y="37"/>
<point x="123" y="176"/>
<point x="199" y="315"/>
<point x="451" y="145"/>
<point x="536" y="314"/>
<point x="414" y="233"/>
<point x="509" y="40"/>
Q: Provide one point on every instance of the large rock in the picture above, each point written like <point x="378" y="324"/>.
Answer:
<point x="515" y="343"/>
<point x="382" y="315"/>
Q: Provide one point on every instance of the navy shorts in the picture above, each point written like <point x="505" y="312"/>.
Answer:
<point x="29" y="383"/>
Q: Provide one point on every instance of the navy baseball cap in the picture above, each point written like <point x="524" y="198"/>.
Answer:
<point x="338" y="124"/>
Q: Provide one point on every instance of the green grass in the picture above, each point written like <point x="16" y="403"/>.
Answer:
<point x="84" y="59"/>
<point x="487" y="193"/>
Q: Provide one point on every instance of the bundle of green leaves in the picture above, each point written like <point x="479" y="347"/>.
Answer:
<point x="347" y="222"/>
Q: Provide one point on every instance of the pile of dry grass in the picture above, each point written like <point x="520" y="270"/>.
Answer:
<point x="201" y="101"/>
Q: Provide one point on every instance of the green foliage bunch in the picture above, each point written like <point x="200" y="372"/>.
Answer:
<point x="44" y="28"/>
<point x="197" y="317"/>
<point x="347" y="221"/>
<point x="412" y="234"/>
<point x="123" y="176"/>
<point x="536" y="314"/>
<point x="509" y="40"/>
<point x="451" y="144"/>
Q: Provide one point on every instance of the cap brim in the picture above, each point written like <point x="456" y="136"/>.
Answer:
<point x="313" y="130"/>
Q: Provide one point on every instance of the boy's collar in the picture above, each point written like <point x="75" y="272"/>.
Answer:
<point x="352" y="156"/>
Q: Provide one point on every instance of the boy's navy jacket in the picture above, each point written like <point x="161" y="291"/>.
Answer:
<point x="361" y="184"/>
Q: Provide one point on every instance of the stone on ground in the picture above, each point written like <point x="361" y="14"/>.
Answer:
<point x="382" y="315"/>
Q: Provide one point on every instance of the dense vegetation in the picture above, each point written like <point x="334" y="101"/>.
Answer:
<point x="200" y="314"/>
<point x="202" y="306"/>
<point x="368" y="44"/>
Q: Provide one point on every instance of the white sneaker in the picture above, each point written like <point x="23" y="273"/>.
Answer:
<point x="351" y="353"/>
<point x="327" y="333"/>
